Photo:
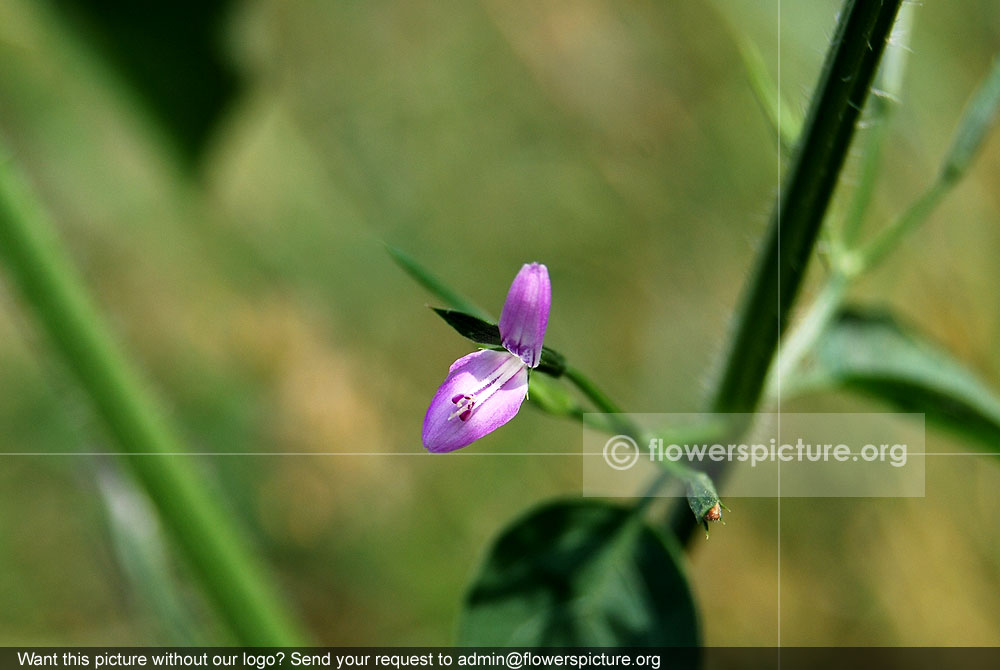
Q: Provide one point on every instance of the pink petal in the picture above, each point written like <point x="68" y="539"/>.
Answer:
<point x="526" y="313"/>
<point x="482" y="392"/>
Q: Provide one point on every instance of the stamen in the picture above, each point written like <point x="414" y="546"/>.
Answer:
<point x="464" y="403"/>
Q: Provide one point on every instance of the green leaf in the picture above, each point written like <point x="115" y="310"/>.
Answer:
<point x="872" y="352"/>
<point x="471" y="327"/>
<point x="445" y="293"/>
<point x="141" y="47"/>
<point x="580" y="573"/>
<point x="977" y="120"/>
<point x="483" y="332"/>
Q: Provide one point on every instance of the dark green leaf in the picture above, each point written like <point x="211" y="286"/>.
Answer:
<point x="474" y="328"/>
<point x="486" y="333"/>
<point x="552" y="363"/>
<point x="161" y="48"/>
<point x="580" y="574"/>
<point x="872" y="352"/>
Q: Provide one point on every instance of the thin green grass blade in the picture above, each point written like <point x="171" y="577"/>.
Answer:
<point x="781" y="266"/>
<point x="977" y="121"/>
<point x="425" y="278"/>
<point x="199" y="524"/>
<point x="785" y="122"/>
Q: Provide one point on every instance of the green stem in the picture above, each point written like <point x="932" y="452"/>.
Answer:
<point x="621" y="423"/>
<point x="589" y="389"/>
<point x="890" y="237"/>
<point x="220" y="555"/>
<point x="798" y="215"/>
<point x="870" y="162"/>
<point x="781" y="266"/>
<point x="889" y="85"/>
<point x="618" y="420"/>
<point x="805" y="335"/>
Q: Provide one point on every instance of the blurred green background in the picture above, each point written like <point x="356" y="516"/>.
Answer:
<point x="239" y="257"/>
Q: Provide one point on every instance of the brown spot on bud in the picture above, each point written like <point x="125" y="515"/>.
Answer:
<point x="714" y="514"/>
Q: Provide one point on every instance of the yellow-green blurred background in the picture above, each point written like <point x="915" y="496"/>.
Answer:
<point x="617" y="142"/>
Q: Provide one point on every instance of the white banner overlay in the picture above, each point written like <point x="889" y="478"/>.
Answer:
<point x="758" y="455"/>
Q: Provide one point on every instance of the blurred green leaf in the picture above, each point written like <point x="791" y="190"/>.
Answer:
<point x="784" y="121"/>
<point x="445" y="293"/>
<point x="139" y="546"/>
<point x="169" y="53"/>
<point x="872" y="352"/>
<point x="977" y="120"/>
<point x="581" y="573"/>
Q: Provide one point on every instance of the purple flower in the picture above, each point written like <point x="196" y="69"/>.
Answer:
<point x="484" y="390"/>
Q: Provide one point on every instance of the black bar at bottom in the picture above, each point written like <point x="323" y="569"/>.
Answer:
<point x="520" y="658"/>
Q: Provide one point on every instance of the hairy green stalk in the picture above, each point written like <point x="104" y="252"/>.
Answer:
<point x="211" y="541"/>
<point x="851" y="263"/>
<point x="781" y="266"/>
<point x="808" y="331"/>
<point x="844" y="85"/>
<point x="886" y="94"/>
